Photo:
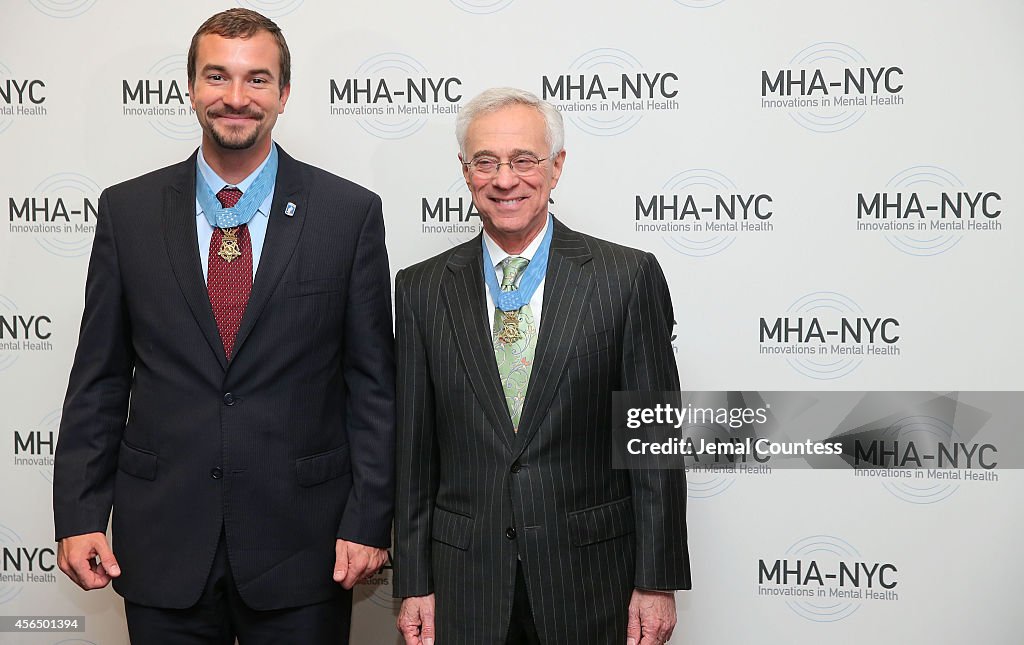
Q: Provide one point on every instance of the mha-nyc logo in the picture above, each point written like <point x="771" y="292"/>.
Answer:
<point x="702" y="212"/>
<point x="923" y="452"/>
<point x="59" y="214"/>
<point x="451" y="215"/>
<point x="826" y="335"/>
<point x="393" y="95"/>
<point x="33" y="445"/>
<point x="20" y="97"/>
<point x="22" y="332"/>
<point x="711" y="475"/>
<point x="606" y="91"/>
<point x="829" y="86"/>
<point x="160" y="98"/>
<point x="928" y="210"/>
<point x="825" y="579"/>
<point x="23" y="563"/>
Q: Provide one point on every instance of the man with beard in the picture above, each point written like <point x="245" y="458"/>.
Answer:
<point x="237" y="307"/>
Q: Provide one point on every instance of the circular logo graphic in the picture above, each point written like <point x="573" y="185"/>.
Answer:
<point x="926" y="433"/>
<point x="9" y="540"/>
<point x="927" y="182"/>
<point x="9" y="310"/>
<point x="394" y="69"/>
<point x="377" y="590"/>
<point x="828" y="307"/>
<point x="75" y="193"/>
<point x="702" y="485"/>
<point x="63" y="8"/>
<point x="175" y="120"/>
<point x="703" y="185"/>
<point x="482" y="6"/>
<point x="459" y="190"/>
<point x="271" y="8"/>
<point x="827" y="551"/>
<point x="832" y="59"/>
<point x="710" y="474"/>
<point x="604" y="119"/>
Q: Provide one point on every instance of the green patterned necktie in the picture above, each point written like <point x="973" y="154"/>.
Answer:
<point x="515" y="339"/>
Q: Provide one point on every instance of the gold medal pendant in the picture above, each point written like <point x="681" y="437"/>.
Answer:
<point x="510" y="332"/>
<point x="229" y="250"/>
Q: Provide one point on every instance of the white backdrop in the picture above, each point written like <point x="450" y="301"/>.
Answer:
<point x="674" y="109"/>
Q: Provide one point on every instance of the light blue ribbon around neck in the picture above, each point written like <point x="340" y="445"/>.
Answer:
<point x="245" y="209"/>
<point x="532" y="277"/>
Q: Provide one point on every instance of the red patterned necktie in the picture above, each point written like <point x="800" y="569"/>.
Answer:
<point x="229" y="281"/>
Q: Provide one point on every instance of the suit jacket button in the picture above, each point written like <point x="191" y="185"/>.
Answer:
<point x="516" y="467"/>
<point x="216" y="473"/>
<point x="510" y="533"/>
<point x="229" y="399"/>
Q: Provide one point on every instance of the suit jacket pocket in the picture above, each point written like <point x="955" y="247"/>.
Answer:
<point x="592" y="344"/>
<point x="453" y="529"/>
<point x="602" y="522"/>
<point x="136" y="461"/>
<point x="323" y="466"/>
<point x="313" y="287"/>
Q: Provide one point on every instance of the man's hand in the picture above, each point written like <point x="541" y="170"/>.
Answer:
<point x="416" y="620"/>
<point x="652" y="617"/>
<point x="354" y="562"/>
<point x="87" y="560"/>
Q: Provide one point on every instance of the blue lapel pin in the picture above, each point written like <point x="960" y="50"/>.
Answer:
<point x="289" y="210"/>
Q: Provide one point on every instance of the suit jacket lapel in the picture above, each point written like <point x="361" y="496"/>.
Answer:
<point x="464" y="299"/>
<point x="179" y="229"/>
<point x="567" y="287"/>
<point x="279" y="245"/>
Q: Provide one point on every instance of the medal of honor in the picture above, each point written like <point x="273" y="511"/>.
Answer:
<point x="509" y="303"/>
<point x="229" y="250"/>
<point x="510" y="331"/>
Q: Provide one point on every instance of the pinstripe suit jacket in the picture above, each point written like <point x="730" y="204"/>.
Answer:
<point x="300" y="454"/>
<point x="474" y="497"/>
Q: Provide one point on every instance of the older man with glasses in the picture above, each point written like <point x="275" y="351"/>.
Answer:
<point x="511" y="524"/>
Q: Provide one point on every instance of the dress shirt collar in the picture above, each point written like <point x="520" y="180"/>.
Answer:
<point x="499" y="254"/>
<point x="216" y="183"/>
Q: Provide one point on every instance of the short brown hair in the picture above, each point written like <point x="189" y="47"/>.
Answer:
<point x="241" y="23"/>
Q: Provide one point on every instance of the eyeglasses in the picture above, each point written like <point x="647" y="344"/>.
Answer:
<point x="489" y="166"/>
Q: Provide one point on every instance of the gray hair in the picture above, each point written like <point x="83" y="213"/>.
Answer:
<point x="497" y="98"/>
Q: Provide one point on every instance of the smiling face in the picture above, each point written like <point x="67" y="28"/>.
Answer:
<point x="236" y="93"/>
<point x="513" y="207"/>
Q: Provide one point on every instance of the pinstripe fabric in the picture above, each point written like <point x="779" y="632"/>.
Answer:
<point x="586" y="534"/>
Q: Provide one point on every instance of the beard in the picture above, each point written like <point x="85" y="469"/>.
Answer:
<point x="235" y="138"/>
